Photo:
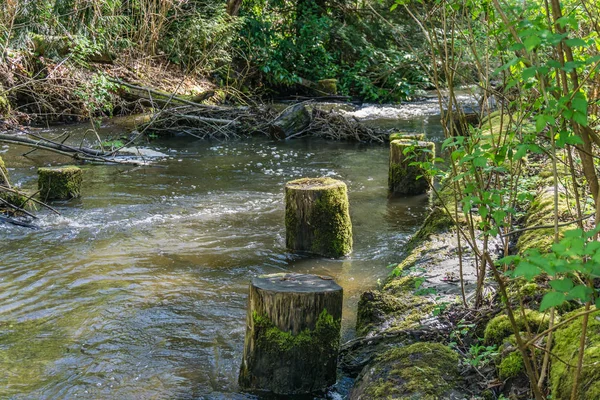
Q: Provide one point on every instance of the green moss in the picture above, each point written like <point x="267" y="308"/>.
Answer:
<point x="404" y="135"/>
<point x="3" y="173"/>
<point x="437" y="221"/>
<point x="500" y="328"/>
<point x="60" y="183"/>
<point x="281" y="357"/>
<point x="566" y="349"/>
<point x="328" y="86"/>
<point x="541" y="212"/>
<point x="405" y="178"/>
<point x="328" y="223"/>
<point x="418" y="371"/>
<point x="511" y="366"/>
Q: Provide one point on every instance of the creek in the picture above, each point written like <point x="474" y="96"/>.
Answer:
<point x="138" y="289"/>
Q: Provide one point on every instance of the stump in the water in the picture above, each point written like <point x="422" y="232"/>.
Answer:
<point x="403" y="177"/>
<point x="60" y="183"/>
<point x="327" y="86"/>
<point x="292" y="121"/>
<point x="292" y="334"/>
<point x="407" y="136"/>
<point x="3" y="174"/>
<point x="317" y="217"/>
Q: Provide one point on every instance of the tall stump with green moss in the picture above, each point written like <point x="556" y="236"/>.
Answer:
<point x="406" y="136"/>
<point x="60" y="183"/>
<point x="3" y="174"/>
<point x="317" y="217"/>
<point x="405" y="178"/>
<point x="292" y="334"/>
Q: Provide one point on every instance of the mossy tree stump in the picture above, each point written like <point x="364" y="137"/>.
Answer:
<point x="60" y="183"/>
<point x="327" y="86"/>
<point x="406" y="136"/>
<point x="317" y="217"/>
<point x="3" y="174"/>
<point x="405" y="178"/>
<point x="292" y="334"/>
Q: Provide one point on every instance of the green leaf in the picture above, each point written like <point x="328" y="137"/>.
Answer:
<point x="552" y="299"/>
<point x="540" y="123"/>
<point x="480" y="161"/>
<point x="528" y="73"/>
<point x="576" y="42"/>
<point x="562" y="285"/>
<point x="526" y="270"/>
<point x="532" y="42"/>
<point x="580" y="292"/>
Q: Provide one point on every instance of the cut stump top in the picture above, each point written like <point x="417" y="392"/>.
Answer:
<point x="295" y="283"/>
<point x="314" y="184"/>
<point x="412" y="142"/>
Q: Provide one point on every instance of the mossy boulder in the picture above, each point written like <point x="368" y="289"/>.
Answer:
<point x="427" y="371"/>
<point x="566" y="350"/>
<point x="500" y="327"/>
<point x="541" y="212"/>
<point x="60" y="183"/>
<point x="317" y="217"/>
<point x="378" y="310"/>
<point x="405" y="178"/>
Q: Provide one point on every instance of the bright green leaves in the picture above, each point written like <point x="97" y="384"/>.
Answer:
<point x="552" y="299"/>
<point x="572" y="262"/>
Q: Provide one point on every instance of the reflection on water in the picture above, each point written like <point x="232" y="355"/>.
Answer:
<point x="138" y="290"/>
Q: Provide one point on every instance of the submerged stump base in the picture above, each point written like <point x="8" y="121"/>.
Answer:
<point x="403" y="177"/>
<point x="317" y="217"/>
<point x="60" y="183"/>
<point x="292" y="334"/>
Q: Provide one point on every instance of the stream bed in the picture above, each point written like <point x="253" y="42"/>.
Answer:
<point x="138" y="289"/>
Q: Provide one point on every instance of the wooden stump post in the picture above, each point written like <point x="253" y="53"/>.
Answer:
<point x="317" y="217"/>
<point x="292" y="334"/>
<point x="61" y="183"/>
<point x="3" y="174"/>
<point x="403" y="176"/>
<point x="404" y="135"/>
<point x="327" y="86"/>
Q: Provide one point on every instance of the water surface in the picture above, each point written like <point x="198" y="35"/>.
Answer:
<point x="138" y="289"/>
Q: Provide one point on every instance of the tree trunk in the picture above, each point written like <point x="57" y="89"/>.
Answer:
<point x="233" y="7"/>
<point x="292" y="334"/>
<point x="317" y="217"/>
<point x="405" y="178"/>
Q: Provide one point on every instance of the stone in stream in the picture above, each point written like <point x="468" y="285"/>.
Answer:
<point x="59" y="183"/>
<point x="317" y="217"/>
<point x="405" y="178"/>
<point x="292" y="334"/>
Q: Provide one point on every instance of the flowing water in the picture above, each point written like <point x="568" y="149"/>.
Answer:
<point x="138" y="289"/>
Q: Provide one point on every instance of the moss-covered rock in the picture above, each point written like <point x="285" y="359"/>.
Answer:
<point x="427" y="371"/>
<point x="317" y="217"/>
<point x="60" y="183"/>
<point x="401" y="311"/>
<point x="566" y="349"/>
<point x="541" y="212"/>
<point x="405" y="178"/>
<point x="499" y="328"/>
